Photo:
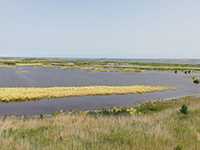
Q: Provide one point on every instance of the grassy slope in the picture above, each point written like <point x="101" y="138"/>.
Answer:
<point x="161" y="130"/>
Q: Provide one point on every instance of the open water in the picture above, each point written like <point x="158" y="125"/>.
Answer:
<point x="47" y="77"/>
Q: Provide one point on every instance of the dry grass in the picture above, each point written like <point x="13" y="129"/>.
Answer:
<point x="159" y="131"/>
<point x="27" y="94"/>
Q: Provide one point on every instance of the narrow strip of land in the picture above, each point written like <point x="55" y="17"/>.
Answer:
<point x="31" y="94"/>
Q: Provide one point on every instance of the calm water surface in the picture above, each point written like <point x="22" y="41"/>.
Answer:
<point x="46" y="77"/>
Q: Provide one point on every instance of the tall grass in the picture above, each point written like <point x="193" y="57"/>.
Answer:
<point x="164" y="130"/>
<point x="27" y="94"/>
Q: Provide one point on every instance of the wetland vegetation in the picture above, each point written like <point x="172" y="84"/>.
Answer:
<point x="10" y="67"/>
<point x="22" y="71"/>
<point x="159" y="124"/>
<point x="162" y="128"/>
<point x="101" y="66"/>
<point x="196" y="81"/>
<point x="32" y="94"/>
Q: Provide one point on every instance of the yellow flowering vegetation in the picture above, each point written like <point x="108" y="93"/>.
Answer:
<point x="131" y="110"/>
<point x="11" y="67"/>
<point x="30" y="94"/>
<point x="22" y="71"/>
<point x="28" y="64"/>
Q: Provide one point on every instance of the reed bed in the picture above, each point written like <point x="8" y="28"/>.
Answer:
<point x="28" y="64"/>
<point x="10" y="67"/>
<point x="28" y="94"/>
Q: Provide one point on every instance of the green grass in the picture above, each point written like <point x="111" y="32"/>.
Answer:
<point x="165" y="64"/>
<point x="164" y="129"/>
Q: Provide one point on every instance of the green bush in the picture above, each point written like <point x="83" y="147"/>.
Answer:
<point x="178" y="147"/>
<point x="196" y="81"/>
<point x="41" y="115"/>
<point x="54" y="113"/>
<point x="183" y="109"/>
<point x="9" y="63"/>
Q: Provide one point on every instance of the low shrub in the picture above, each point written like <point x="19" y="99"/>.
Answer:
<point x="196" y="81"/>
<point x="183" y="109"/>
<point x="9" y="63"/>
<point x="54" y="113"/>
<point x="41" y="115"/>
<point x="178" y="147"/>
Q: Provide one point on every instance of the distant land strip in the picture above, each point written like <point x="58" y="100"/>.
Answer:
<point x="21" y="94"/>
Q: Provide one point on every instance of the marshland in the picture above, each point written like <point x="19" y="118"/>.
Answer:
<point x="54" y="103"/>
<point x="33" y="85"/>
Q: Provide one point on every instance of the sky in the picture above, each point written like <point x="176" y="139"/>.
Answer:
<point x="100" y="28"/>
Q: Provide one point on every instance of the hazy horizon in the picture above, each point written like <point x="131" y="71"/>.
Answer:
<point x="85" y="57"/>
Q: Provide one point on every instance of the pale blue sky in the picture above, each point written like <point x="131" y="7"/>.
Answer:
<point x="100" y="28"/>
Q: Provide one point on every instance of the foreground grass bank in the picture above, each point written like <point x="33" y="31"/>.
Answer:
<point x="28" y="94"/>
<point x="166" y="129"/>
